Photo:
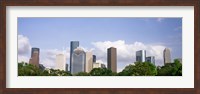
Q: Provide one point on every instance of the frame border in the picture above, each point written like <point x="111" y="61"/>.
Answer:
<point x="4" y="3"/>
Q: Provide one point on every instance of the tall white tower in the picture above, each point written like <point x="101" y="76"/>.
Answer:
<point x="89" y="62"/>
<point x="167" y="56"/>
<point x="60" y="62"/>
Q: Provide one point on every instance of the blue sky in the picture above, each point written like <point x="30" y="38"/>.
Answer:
<point x="56" y="33"/>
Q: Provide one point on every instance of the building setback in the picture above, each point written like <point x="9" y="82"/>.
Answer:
<point x="34" y="60"/>
<point x="167" y="56"/>
<point x="89" y="62"/>
<point x="150" y="59"/>
<point x="112" y="59"/>
<point x="141" y="56"/>
<point x="60" y="62"/>
<point x="78" y="61"/>
<point x="73" y="45"/>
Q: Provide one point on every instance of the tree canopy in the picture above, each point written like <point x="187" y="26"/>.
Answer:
<point x="171" y="69"/>
<point x="101" y="72"/>
<point x="138" y="69"/>
<point x="25" y="69"/>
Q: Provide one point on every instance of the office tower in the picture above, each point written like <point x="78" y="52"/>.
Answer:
<point x="60" y="62"/>
<point x="78" y="61"/>
<point x="41" y="67"/>
<point x="94" y="58"/>
<point x="112" y="59"/>
<point x="141" y="56"/>
<point x="167" y="56"/>
<point x="98" y="65"/>
<point x="34" y="60"/>
<point x="150" y="59"/>
<point x="103" y="66"/>
<point x="66" y="67"/>
<point x="89" y="62"/>
<point x="73" y="45"/>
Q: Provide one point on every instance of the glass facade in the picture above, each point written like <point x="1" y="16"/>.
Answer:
<point x="73" y="45"/>
<point x="151" y="59"/>
<point x="141" y="56"/>
<point x="78" y="61"/>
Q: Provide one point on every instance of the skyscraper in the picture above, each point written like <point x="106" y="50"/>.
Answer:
<point x="34" y="60"/>
<point x="73" y="45"/>
<point x="78" y="61"/>
<point x="150" y="59"/>
<point x="99" y="65"/>
<point x="167" y="56"/>
<point x="89" y="62"/>
<point x="112" y="59"/>
<point x="141" y="56"/>
<point x="94" y="58"/>
<point x="66" y="67"/>
<point x="60" y="62"/>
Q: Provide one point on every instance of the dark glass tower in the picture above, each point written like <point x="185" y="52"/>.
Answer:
<point x="94" y="58"/>
<point x="73" y="45"/>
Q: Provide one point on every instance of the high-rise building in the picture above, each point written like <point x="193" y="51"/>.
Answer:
<point x="66" y="67"/>
<point x="78" y="61"/>
<point x="150" y="59"/>
<point x="34" y="60"/>
<point x="60" y="62"/>
<point x="167" y="56"/>
<point x="141" y="56"/>
<point x="89" y="62"/>
<point x="41" y="67"/>
<point x="73" y="45"/>
<point x="94" y="58"/>
<point x="98" y="65"/>
<point x="112" y="59"/>
<point x="103" y="66"/>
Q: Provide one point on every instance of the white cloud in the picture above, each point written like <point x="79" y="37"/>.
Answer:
<point x="126" y="52"/>
<point x="48" y="56"/>
<point x="24" y="46"/>
<point x="23" y="58"/>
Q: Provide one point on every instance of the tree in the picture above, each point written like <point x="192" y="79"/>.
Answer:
<point x="82" y="74"/>
<point x="25" y="69"/>
<point x="171" y="69"/>
<point x="139" y="69"/>
<point x="101" y="72"/>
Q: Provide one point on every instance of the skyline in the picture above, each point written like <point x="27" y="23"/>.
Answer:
<point x="127" y="35"/>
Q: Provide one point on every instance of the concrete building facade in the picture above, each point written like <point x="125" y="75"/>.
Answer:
<point x="34" y="60"/>
<point x="60" y="62"/>
<point x="112" y="59"/>
<point x="89" y="62"/>
<point x="167" y="56"/>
